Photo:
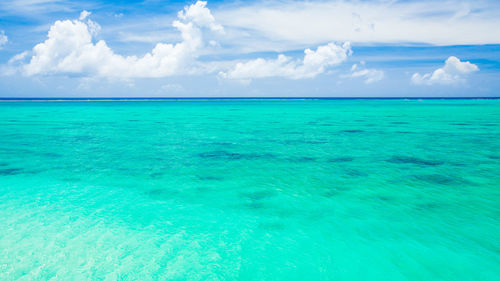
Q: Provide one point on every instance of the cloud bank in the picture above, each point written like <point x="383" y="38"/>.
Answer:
<point x="281" y="24"/>
<point x="70" y="49"/>
<point x="453" y="72"/>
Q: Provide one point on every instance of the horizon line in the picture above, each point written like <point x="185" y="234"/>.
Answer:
<point x="229" y="98"/>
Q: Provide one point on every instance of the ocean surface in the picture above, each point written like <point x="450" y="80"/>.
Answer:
<point x="250" y="190"/>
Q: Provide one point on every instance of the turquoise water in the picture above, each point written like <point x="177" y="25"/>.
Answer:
<point x="250" y="190"/>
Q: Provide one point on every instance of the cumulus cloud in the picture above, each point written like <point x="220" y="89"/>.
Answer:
<point x="453" y="71"/>
<point x="200" y="15"/>
<point x="370" y="75"/>
<point x="314" y="62"/>
<point x="69" y="48"/>
<point x="3" y="39"/>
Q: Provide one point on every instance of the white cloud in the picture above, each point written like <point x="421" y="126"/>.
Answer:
<point x="18" y="57"/>
<point x="313" y="63"/>
<point x="286" y="25"/>
<point x="93" y="27"/>
<point x="370" y="75"/>
<point x="146" y="36"/>
<point x="34" y="7"/>
<point x="13" y="64"/>
<point x="453" y="71"/>
<point x="84" y="14"/>
<point x="3" y="39"/>
<point x="69" y="49"/>
<point x="200" y="15"/>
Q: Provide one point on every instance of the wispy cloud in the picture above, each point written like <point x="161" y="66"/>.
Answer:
<point x="3" y="39"/>
<point x="370" y="75"/>
<point x="35" y="6"/>
<point x="84" y="14"/>
<point x="172" y="88"/>
<point x="298" y="23"/>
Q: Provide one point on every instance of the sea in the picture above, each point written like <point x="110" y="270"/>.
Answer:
<point x="250" y="189"/>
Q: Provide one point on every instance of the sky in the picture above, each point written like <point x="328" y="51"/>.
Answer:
<point x="154" y="48"/>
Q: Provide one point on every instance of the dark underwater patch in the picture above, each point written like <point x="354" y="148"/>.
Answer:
<point x="427" y="206"/>
<point x="259" y="195"/>
<point x="161" y="194"/>
<point x="352" y="131"/>
<point x="383" y="198"/>
<point x="210" y="178"/>
<point x="413" y="160"/>
<point x="331" y="193"/>
<point x="155" y="192"/>
<point x="441" y="179"/>
<point x="399" y="123"/>
<point x="52" y="155"/>
<point x="340" y="159"/>
<point x="10" y="171"/>
<point x="156" y="174"/>
<point x="226" y="155"/>
<point x="355" y="173"/>
<point x="253" y="205"/>
<point x="252" y="156"/>
<point x="220" y="154"/>
<point x="301" y="159"/>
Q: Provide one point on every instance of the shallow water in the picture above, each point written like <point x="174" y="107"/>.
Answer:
<point x="250" y="190"/>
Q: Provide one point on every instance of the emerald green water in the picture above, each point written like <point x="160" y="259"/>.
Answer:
<point x="250" y="190"/>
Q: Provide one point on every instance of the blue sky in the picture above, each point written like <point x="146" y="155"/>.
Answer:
<point x="153" y="48"/>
